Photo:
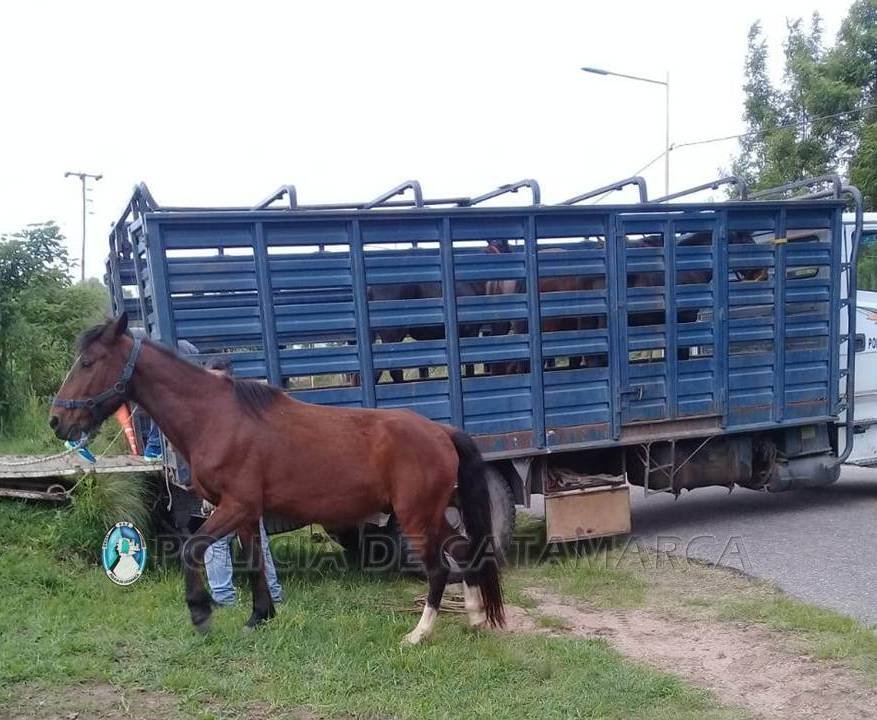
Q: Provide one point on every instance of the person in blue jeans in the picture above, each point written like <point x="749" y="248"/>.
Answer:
<point x="217" y="561"/>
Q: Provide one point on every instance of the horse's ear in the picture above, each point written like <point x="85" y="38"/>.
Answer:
<point x="115" y="328"/>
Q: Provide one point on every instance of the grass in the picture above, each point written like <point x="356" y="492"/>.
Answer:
<point x="333" y="648"/>
<point x="825" y="634"/>
<point x="598" y="572"/>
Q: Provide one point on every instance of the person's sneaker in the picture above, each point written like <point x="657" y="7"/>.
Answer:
<point x="82" y="451"/>
<point x="152" y="456"/>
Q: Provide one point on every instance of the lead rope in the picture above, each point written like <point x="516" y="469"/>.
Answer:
<point x="36" y="461"/>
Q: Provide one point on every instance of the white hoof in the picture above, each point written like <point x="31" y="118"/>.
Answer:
<point x="478" y="620"/>
<point x="422" y="629"/>
<point x="412" y="638"/>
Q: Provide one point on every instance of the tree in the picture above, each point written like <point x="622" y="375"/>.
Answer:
<point x="41" y="312"/>
<point x="854" y="63"/>
<point x="819" y="120"/>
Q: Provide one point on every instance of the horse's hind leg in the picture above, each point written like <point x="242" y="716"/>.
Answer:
<point x="263" y="607"/>
<point x="430" y="550"/>
<point x="225" y="519"/>
<point x="460" y="550"/>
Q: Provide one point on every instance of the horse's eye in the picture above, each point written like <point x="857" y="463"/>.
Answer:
<point x="85" y="363"/>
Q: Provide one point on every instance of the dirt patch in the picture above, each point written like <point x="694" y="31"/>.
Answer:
<point x="102" y="701"/>
<point x="742" y="666"/>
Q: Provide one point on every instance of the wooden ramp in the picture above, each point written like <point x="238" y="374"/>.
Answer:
<point x="35" y="477"/>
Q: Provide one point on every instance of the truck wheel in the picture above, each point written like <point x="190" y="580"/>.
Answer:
<point x="348" y="538"/>
<point x="502" y="509"/>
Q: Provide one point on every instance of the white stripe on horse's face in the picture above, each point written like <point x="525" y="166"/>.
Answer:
<point x="423" y="628"/>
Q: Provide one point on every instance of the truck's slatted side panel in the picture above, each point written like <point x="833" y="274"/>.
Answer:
<point x="780" y="355"/>
<point x="588" y="319"/>
<point x="492" y="301"/>
<point x="751" y="333"/>
<point x="574" y="300"/>
<point x="309" y="270"/>
<point x="807" y="326"/>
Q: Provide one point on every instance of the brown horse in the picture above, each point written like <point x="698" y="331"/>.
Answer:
<point x="551" y="284"/>
<point x="253" y="450"/>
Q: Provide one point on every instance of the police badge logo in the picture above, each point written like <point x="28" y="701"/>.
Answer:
<point x="123" y="553"/>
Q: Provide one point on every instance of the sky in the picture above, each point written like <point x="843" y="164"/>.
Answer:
<point x="220" y="103"/>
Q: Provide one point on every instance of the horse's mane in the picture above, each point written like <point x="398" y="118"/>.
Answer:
<point x="253" y="396"/>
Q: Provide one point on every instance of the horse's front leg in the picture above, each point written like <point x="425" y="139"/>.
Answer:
<point x="251" y="542"/>
<point x="226" y="518"/>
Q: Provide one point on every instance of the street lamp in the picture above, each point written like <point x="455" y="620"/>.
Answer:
<point x="666" y="84"/>
<point x="83" y="178"/>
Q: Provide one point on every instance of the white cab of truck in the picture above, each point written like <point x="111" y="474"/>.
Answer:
<point x="865" y="437"/>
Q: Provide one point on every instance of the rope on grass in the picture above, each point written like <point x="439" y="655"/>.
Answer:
<point x="452" y="603"/>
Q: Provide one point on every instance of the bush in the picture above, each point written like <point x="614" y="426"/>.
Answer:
<point x="99" y="502"/>
<point x="41" y="313"/>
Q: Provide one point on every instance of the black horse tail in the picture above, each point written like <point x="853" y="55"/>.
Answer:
<point x="483" y="565"/>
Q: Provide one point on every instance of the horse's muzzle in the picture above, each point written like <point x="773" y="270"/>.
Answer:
<point x="64" y="431"/>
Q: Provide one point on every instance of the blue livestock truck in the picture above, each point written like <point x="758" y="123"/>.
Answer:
<point x="587" y="348"/>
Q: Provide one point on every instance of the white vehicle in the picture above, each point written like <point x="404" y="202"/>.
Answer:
<point x="865" y="438"/>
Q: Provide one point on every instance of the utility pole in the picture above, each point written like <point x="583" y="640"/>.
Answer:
<point x="84" y="177"/>
<point x="666" y="84"/>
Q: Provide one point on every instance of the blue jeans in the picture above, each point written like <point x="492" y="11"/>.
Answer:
<point x="217" y="561"/>
<point x="153" y="440"/>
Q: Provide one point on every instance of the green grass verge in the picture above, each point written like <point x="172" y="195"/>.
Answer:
<point x="333" y="648"/>
<point x="825" y="634"/>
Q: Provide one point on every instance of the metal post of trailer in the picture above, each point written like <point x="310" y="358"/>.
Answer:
<point x="534" y="324"/>
<point x="721" y="322"/>
<point x="617" y="317"/>
<point x="159" y="286"/>
<point x="671" y="355"/>
<point x="266" y="305"/>
<point x="779" y="330"/>
<point x="360" y="309"/>
<point x="452" y="327"/>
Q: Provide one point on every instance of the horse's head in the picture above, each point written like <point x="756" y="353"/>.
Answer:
<point x="97" y="383"/>
<point x="496" y="246"/>
<point x="748" y="274"/>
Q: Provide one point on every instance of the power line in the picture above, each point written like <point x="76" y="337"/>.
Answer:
<point x="723" y="138"/>
<point x="637" y="172"/>
<point x="770" y="130"/>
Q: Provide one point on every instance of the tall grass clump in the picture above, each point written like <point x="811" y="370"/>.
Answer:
<point x="99" y="502"/>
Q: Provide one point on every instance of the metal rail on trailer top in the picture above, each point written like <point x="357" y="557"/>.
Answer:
<point x="288" y="292"/>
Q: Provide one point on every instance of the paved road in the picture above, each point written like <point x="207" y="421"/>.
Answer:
<point x="818" y="545"/>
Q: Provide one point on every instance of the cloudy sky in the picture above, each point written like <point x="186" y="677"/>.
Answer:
<point x="219" y="103"/>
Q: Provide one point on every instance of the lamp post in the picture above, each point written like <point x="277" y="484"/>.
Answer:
<point x="666" y="84"/>
<point x="83" y="178"/>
